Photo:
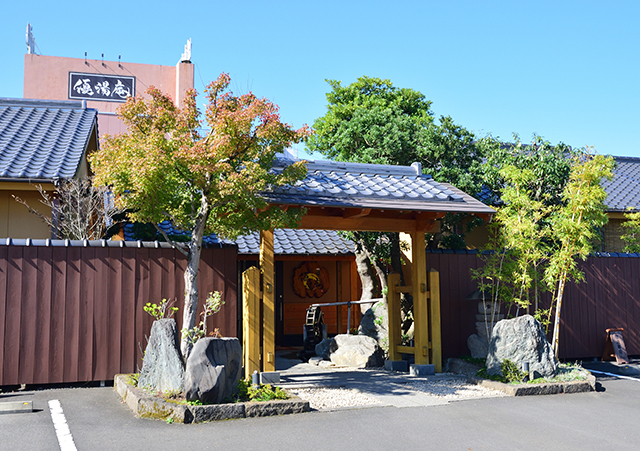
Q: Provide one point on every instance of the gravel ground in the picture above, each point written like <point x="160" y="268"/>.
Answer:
<point x="335" y="397"/>
<point x="453" y="389"/>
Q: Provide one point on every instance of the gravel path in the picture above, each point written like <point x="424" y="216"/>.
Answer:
<point x="453" y="389"/>
<point x="447" y="389"/>
<point x="334" y="397"/>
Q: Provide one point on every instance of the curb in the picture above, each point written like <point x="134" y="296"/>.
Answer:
<point x="552" y="388"/>
<point x="145" y="405"/>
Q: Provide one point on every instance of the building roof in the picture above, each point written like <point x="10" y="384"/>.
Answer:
<point x="285" y="241"/>
<point x="299" y="241"/>
<point x="386" y="187"/>
<point x="43" y="139"/>
<point x="623" y="190"/>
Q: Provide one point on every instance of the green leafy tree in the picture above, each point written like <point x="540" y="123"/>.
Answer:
<point x="522" y="240"/>
<point x="549" y="165"/>
<point x="575" y="226"/>
<point x="632" y="235"/>
<point x="372" y="121"/>
<point x="538" y="237"/>
<point x="166" y="167"/>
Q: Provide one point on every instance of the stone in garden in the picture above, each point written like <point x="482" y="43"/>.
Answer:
<point x="358" y="351"/>
<point x="478" y="346"/>
<point x="521" y="339"/>
<point x="374" y="324"/>
<point x="323" y="348"/>
<point x="213" y="370"/>
<point x="162" y="366"/>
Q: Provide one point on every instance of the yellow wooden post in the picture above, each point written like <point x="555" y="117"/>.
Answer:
<point x="420" y="302"/>
<point x="251" y="320"/>
<point x="394" y="318"/>
<point x="267" y="268"/>
<point x="434" y="323"/>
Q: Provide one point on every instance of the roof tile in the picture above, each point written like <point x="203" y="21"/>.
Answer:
<point x="42" y="139"/>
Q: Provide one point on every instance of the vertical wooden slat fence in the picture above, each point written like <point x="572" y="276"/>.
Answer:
<point x="609" y="297"/>
<point x="74" y="313"/>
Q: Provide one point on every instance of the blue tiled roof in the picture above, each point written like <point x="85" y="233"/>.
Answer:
<point x="285" y="241"/>
<point x="339" y="184"/>
<point x="43" y="139"/>
<point x="623" y="190"/>
<point x="299" y="241"/>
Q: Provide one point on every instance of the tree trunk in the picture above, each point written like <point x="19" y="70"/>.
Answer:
<point x="556" y="322"/>
<point x="382" y="277"/>
<point x="366" y="275"/>
<point x="191" y="277"/>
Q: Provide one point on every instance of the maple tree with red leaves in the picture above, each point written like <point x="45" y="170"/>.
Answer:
<point x="205" y="176"/>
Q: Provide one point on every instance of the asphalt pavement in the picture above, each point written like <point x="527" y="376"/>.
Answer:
<point x="98" y="420"/>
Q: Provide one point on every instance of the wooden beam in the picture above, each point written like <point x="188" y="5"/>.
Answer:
<point x="354" y="213"/>
<point x="434" y="317"/>
<point x="300" y="257"/>
<point x="267" y="267"/>
<point x="394" y="316"/>
<point x="405" y="349"/>
<point x="402" y="289"/>
<point x="420" y="302"/>
<point x="364" y="224"/>
<point x="251" y="320"/>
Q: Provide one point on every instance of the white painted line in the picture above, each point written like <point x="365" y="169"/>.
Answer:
<point x="65" y="440"/>
<point x="614" y="375"/>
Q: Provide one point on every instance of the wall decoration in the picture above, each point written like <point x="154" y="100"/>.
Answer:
<point x="109" y="88"/>
<point x="311" y="280"/>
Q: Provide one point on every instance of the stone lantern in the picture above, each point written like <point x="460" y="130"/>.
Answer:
<point x="486" y="318"/>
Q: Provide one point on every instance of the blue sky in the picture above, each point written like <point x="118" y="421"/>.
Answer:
<point x="567" y="70"/>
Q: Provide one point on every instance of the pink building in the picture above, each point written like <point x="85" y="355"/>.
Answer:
<point x="105" y="85"/>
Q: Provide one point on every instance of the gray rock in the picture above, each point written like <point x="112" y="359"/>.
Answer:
<point x="375" y="324"/>
<point x="521" y="340"/>
<point x="162" y="367"/>
<point x="200" y="414"/>
<point x="358" y="351"/>
<point x="478" y="346"/>
<point x="277" y="407"/>
<point x="323" y="348"/>
<point x="459" y="366"/>
<point x="213" y="370"/>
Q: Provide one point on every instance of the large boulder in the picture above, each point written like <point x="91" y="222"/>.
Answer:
<point x="213" y="370"/>
<point x="358" y="351"/>
<point x="323" y="349"/>
<point x="521" y="339"/>
<point x="162" y="366"/>
<point x="375" y="324"/>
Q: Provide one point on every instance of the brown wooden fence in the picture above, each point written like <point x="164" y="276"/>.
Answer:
<point x="609" y="297"/>
<point x="74" y="312"/>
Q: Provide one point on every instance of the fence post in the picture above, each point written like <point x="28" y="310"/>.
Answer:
<point x="251" y="320"/>
<point x="420" y="301"/>
<point x="434" y="317"/>
<point x="267" y="267"/>
<point x="394" y="316"/>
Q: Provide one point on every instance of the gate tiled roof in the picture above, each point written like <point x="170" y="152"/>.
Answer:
<point x="339" y="184"/>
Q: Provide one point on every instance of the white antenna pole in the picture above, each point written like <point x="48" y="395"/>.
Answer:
<point x="186" y="56"/>
<point x="31" y="43"/>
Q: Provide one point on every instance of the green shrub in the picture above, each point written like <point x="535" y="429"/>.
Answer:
<point x="246" y="392"/>
<point x="511" y="371"/>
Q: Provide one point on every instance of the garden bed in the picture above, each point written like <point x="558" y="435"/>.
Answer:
<point x="572" y="379"/>
<point x="147" y="405"/>
<point x="545" y="388"/>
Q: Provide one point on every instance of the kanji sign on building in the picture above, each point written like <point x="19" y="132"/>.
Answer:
<point x="109" y="88"/>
